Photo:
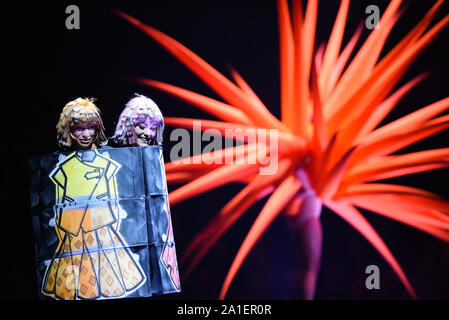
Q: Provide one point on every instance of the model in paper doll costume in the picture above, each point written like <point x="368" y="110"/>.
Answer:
<point x="92" y="260"/>
<point x="141" y="124"/>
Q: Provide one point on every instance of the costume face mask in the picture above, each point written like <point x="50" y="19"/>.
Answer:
<point x="83" y="135"/>
<point x="145" y="132"/>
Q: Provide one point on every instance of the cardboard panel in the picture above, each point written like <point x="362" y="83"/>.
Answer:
<point x="100" y="219"/>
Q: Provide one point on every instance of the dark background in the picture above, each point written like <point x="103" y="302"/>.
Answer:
<point x="47" y="65"/>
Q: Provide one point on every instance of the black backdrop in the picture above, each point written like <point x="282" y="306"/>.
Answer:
<point x="47" y="65"/>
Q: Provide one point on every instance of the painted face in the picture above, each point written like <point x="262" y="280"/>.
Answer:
<point x="83" y="135"/>
<point x="145" y="133"/>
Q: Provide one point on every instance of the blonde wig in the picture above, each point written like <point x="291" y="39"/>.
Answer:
<point x="79" y="111"/>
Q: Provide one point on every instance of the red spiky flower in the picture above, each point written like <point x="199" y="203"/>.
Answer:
<point x="331" y="148"/>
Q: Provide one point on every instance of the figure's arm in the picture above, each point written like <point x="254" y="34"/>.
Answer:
<point x="59" y="179"/>
<point x="112" y="168"/>
<point x="112" y="180"/>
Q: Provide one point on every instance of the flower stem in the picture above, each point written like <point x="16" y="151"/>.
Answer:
<point x="308" y="236"/>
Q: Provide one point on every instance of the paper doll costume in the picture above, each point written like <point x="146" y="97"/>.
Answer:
<point x="102" y="224"/>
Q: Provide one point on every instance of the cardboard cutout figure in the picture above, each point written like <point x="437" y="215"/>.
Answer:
<point x="91" y="255"/>
<point x="101" y="217"/>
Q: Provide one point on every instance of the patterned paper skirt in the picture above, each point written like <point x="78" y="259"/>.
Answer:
<point x="92" y="265"/>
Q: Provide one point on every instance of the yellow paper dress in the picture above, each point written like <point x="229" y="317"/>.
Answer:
<point x="91" y="260"/>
